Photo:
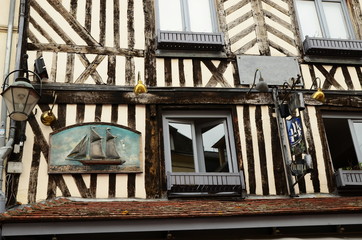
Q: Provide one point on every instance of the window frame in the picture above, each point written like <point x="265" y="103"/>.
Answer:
<point x="186" y="24"/>
<point x="350" y="118"/>
<point x="169" y="116"/>
<point x="322" y="19"/>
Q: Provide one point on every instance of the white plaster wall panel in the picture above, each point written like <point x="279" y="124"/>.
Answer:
<point x="23" y="189"/>
<point x="160" y="72"/>
<point x="60" y="67"/>
<point x="275" y="11"/>
<point x="95" y="13"/>
<point x="268" y="149"/>
<point x="189" y="75"/>
<point x="339" y="77"/>
<point x="123" y="24"/>
<point x="290" y="48"/>
<point x="258" y="180"/>
<point x="139" y="25"/>
<point x="228" y="74"/>
<point x="106" y="113"/>
<point x="122" y="114"/>
<point x="102" y="187"/>
<point x="175" y="73"/>
<point x="109" y="24"/>
<point x="319" y="154"/>
<point x="71" y="114"/>
<point x="236" y="14"/>
<point x="120" y="71"/>
<point x="307" y="79"/>
<point x="42" y="181"/>
<point x="121" y="186"/>
<point x="242" y="42"/>
<point x="141" y="127"/>
<point x="89" y="113"/>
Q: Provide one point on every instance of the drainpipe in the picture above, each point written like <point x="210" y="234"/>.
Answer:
<point x="6" y="149"/>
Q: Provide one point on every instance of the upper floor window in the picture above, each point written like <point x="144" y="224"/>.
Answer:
<point x="187" y="15"/>
<point x="188" y="25"/>
<point x="324" y="19"/>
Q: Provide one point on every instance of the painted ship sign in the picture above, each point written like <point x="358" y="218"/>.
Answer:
<point x="94" y="148"/>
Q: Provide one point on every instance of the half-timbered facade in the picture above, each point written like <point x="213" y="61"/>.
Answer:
<point x="202" y="116"/>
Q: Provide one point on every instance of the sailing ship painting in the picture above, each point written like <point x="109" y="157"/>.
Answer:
<point x="95" y="148"/>
<point x="90" y="150"/>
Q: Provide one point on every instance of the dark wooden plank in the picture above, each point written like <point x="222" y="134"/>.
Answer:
<point x="82" y="188"/>
<point x="262" y="153"/>
<point x="79" y="118"/>
<point x="131" y="185"/>
<point x="150" y="36"/>
<point x="329" y="77"/>
<point x="34" y="170"/>
<point x="130" y="71"/>
<point x="181" y="71"/>
<point x="239" y="155"/>
<point x="359" y="74"/>
<point x="90" y="69"/>
<point x="112" y="185"/>
<point x="114" y="113"/>
<point x="132" y="116"/>
<point x="152" y="154"/>
<point x="69" y="72"/>
<point x="196" y="69"/>
<point x="62" y="114"/>
<point x="73" y="8"/>
<point x="168" y="72"/>
<point x="347" y="78"/>
<point x="328" y="84"/>
<point x="102" y="22"/>
<point x="249" y="150"/>
<point x="260" y="30"/>
<point x="111" y="80"/>
<point x="217" y="74"/>
<point x="93" y="185"/>
<point x="116" y="19"/>
<point x="130" y="23"/>
<point x="88" y="15"/>
<point x="98" y="113"/>
<point x="281" y="186"/>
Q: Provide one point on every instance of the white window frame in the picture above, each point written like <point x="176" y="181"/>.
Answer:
<point x="323" y="21"/>
<point x="186" y="25"/>
<point x="168" y="117"/>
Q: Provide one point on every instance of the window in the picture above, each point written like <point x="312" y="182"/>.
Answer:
<point x="188" y="25"/>
<point x="199" y="142"/>
<point x="187" y="15"/>
<point x="344" y="135"/>
<point x="324" y="19"/>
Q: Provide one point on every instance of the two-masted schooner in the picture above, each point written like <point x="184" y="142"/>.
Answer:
<point x="89" y="151"/>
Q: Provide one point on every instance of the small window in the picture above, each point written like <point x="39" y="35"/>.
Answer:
<point x="324" y="19"/>
<point x="199" y="142"/>
<point x="188" y="25"/>
<point x="344" y="135"/>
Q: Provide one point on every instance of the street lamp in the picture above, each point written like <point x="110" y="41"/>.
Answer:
<point x="20" y="97"/>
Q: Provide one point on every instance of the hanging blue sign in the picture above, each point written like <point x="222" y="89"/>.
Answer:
<point x="295" y="135"/>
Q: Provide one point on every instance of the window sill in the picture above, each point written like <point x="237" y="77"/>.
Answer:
<point x="332" y="50"/>
<point x="190" y="54"/>
<point x="349" y="181"/>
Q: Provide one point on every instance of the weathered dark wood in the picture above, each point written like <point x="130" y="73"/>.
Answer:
<point x="93" y="185"/>
<point x="217" y="74"/>
<point x="196" y="64"/>
<point x="79" y="118"/>
<point x="90" y="69"/>
<point x="181" y="72"/>
<point x="261" y="33"/>
<point x="52" y="187"/>
<point x="281" y="49"/>
<point x="235" y="74"/>
<point x="116" y="19"/>
<point x="131" y="185"/>
<point x="249" y="150"/>
<point x="236" y="7"/>
<point x="102" y="22"/>
<point x="223" y="26"/>
<point x="34" y="170"/>
<point x="84" y="33"/>
<point x="242" y="34"/>
<point x="41" y="30"/>
<point x="168" y="72"/>
<point x="114" y="113"/>
<point x="240" y="20"/>
<point x="112" y="185"/>
<point x="312" y="151"/>
<point x="246" y="46"/>
<point x="98" y="113"/>
<point x="329" y="77"/>
<point x="130" y="71"/>
<point x="53" y="71"/>
<point x="278" y="166"/>
<point x="69" y="72"/>
<point x="150" y="42"/>
<point x="262" y="153"/>
<point x="111" y="80"/>
<point x="130" y="23"/>
<point x="239" y="155"/>
<point x="62" y="114"/>
<point x="88" y="16"/>
<point x="82" y="188"/>
<point x="347" y="78"/>
<point x="359" y="74"/>
<point x="73" y="8"/>
<point x="132" y="116"/>
<point x="279" y="34"/>
<point x="152" y="154"/>
<point x="328" y="84"/>
<point x="71" y="48"/>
